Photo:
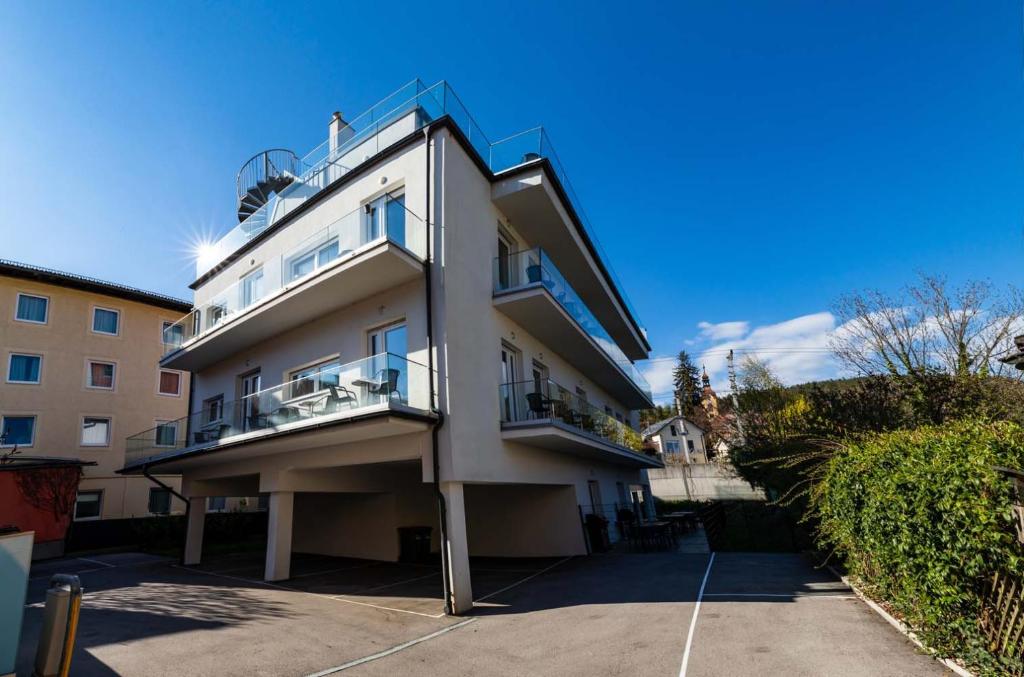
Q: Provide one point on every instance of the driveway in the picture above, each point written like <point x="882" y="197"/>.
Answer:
<point x="613" y="614"/>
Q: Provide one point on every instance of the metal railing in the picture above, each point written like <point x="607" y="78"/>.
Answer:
<point x="534" y="268"/>
<point x="265" y="166"/>
<point x="337" y="390"/>
<point x="546" y="400"/>
<point x="387" y="218"/>
<point x="410" y="108"/>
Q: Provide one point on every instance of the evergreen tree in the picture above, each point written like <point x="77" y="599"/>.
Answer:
<point x="687" y="382"/>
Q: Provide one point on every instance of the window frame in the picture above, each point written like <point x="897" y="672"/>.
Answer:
<point x="10" y="363"/>
<point x="313" y="252"/>
<point x="95" y="445"/>
<point x="219" y="401"/>
<point x="92" y="323"/>
<point x="258" y="275"/>
<point x="211" y="499"/>
<point x="317" y="370"/>
<point x="167" y="324"/>
<point x="153" y="491"/>
<point x="672" y="447"/>
<point x="32" y="437"/>
<point x="159" y="382"/>
<point x="99" y="503"/>
<point x="89" y="361"/>
<point x="17" y="305"/>
<point x="156" y="434"/>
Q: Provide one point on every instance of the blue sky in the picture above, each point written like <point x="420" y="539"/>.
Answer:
<point x="744" y="162"/>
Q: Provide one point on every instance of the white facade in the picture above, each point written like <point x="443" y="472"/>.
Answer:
<point x="531" y="354"/>
<point x="678" y="438"/>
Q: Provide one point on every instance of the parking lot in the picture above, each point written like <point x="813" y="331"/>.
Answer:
<point x="612" y="614"/>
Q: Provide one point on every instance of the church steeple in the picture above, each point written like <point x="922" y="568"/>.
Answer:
<point x="705" y="379"/>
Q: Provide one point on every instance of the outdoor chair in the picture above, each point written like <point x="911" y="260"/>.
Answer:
<point x="538" y="405"/>
<point x="283" y="415"/>
<point x="385" y="383"/>
<point x="339" y="395"/>
<point x="211" y="432"/>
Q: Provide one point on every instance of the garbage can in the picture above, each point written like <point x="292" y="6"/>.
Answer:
<point x="414" y="544"/>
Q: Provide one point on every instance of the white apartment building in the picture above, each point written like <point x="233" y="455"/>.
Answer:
<point x="410" y="326"/>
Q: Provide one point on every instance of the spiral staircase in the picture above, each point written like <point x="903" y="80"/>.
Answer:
<point x="263" y="176"/>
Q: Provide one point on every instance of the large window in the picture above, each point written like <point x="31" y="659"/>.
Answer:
<point x="252" y="288"/>
<point x="306" y="263"/>
<point x="24" y="368"/>
<point x="159" y="501"/>
<point x="95" y="431"/>
<point x="170" y="382"/>
<point x="88" y="505"/>
<point x="105" y="321"/>
<point x="17" y="430"/>
<point x="166" y="434"/>
<point x="672" y="447"/>
<point x="385" y="216"/>
<point x="32" y="308"/>
<point x="100" y="375"/>
<point x="313" y="379"/>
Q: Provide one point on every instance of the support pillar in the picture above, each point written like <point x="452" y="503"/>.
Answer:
<point x="194" y="530"/>
<point x="458" y="547"/>
<point x="279" y="536"/>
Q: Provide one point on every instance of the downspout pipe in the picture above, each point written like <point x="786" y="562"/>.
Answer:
<point x="188" y="504"/>
<point x="442" y="506"/>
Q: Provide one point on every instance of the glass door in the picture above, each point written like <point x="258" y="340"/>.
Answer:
<point x="250" y="410"/>
<point x="508" y="380"/>
<point x="389" y="347"/>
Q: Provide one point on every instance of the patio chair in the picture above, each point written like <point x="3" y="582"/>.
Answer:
<point x="538" y="405"/>
<point x="339" y="395"/>
<point x="385" y="383"/>
<point x="283" y="415"/>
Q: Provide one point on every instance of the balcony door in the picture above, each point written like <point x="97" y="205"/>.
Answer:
<point x="248" y="389"/>
<point x="509" y="374"/>
<point x="388" y="347"/>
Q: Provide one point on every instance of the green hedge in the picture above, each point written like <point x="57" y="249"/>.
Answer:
<point x="922" y="518"/>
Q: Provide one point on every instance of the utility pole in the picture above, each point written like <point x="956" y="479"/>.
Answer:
<point x="735" y="397"/>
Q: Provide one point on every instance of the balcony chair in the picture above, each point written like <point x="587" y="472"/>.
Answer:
<point x="385" y="383"/>
<point x="540" y="406"/>
<point x="282" y="415"/>
<point x="338" y="396"/>
<point x="211" y="432"/>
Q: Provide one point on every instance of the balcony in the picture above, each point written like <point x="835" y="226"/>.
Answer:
<point x="544" y="414"/>
<point x="530" y="290"/>
<point x="309" y="410"/>
<point x="370" y="250"/>
<point x="410" y="109"/>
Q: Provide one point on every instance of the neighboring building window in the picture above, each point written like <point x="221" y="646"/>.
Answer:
<point x="166" y="434"/>
<point x="672" y="447"/>
<point x="170" y="382"/>
<point x="95" y="431"/>
<point x="216" y="504"/>
<point x="173" y="334"/>
<point x="24" y="368"/>
<point x="105" y="321"/>
<point x="88" y="505"/>
<point x="101" y="375"/>
<point x="32" y="308"/>
<point x="159" y="501"/>
<point x="313" y="379"/>
<point x="214" y="409"/>
<point x="252" y="288"/>
<point x="18" y="430"/>
<point x="672" y="429"/>
<point x="689" y="446"/>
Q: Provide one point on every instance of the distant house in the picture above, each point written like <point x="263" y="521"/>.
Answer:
<point x="1017" y="358"/>
<point x="678" y="437"/>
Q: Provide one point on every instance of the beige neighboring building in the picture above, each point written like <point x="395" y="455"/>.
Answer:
<point x="678" y="438"/>
<point x="411" y="326"/>
<point x="80" y="373"/>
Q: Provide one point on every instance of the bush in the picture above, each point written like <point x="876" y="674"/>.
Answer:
<point x="922" y="518"/>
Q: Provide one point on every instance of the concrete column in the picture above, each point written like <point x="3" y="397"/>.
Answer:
<point x="279" y="536"/>
<point x="194" y="530"/>
<point x="458" y="547"/>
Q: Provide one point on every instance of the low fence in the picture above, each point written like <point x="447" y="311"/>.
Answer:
<point x="164" y="532"/>
<point x="1002" y="620"/>
<point x="700" y="482"/>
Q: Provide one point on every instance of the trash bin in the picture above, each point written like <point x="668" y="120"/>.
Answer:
<point x="414" y="544"/>
<point x="597" y="533"/>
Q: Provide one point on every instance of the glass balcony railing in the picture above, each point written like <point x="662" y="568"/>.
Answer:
<point x="546" y="400"/>
<point x="386" y="218"/>
<point x="337" y="390"/>
<point x="400" y="114"/>
<point x="533" y="268"/>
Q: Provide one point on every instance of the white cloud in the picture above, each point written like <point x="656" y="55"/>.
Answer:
<point x="797" y="350"/>
<point x="723" y="331"/>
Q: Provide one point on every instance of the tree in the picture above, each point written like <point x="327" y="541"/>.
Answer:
<point x="686" y="378"/>
<point x="929" y="328"/>
<point x="51" y="489"/>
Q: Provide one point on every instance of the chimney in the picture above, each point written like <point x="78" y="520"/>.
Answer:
<point x="338" y="131"/>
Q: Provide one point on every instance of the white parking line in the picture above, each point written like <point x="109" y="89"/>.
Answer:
<point x="392" y="650"/>
<point x="96" y="561"/>
<point x="693" y="621"/>
<point x="774" y="595"/>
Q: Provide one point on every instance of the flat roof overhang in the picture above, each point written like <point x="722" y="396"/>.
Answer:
<point x="537" y="311"/>
<point x="383" y="421"/>
<point x="375" y="269"/>
<point x="558" y="436"/>
<point x="529" y="197"/>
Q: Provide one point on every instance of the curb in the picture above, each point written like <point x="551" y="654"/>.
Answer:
<point x="901" y="626"/>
